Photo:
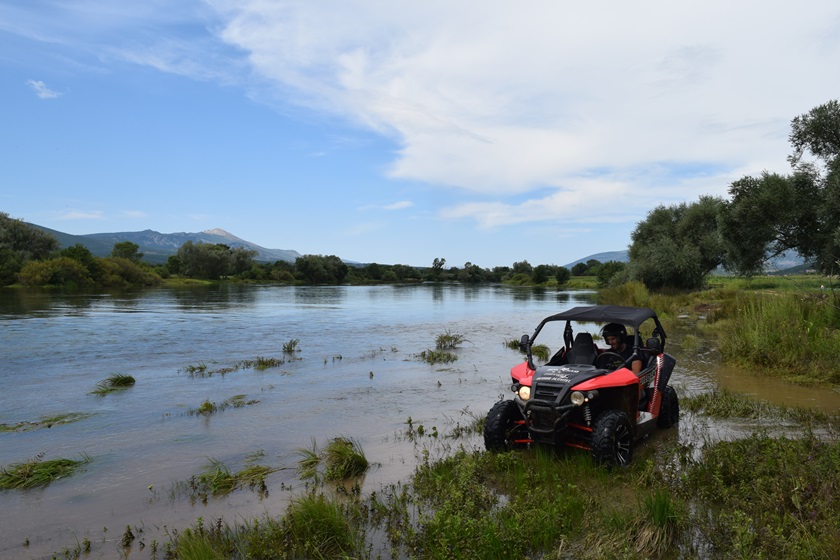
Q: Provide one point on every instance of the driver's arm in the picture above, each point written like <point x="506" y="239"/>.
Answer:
<point x="636" y="366"/>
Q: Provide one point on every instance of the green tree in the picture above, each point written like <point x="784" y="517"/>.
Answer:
<point x="772" y="213"/>
<point x="677" y="246"/>
<point x="19" y="244"/>
<point x="522" y="267"/>
<point x="540" y="274"/>
<point x="437" y="269"/>
<point x="127" y="250"/>
<point x="562" y="275"/>
<point x="204" y="260"/>
<point x="242" y="259"/>
<point x="608" y="270"/>
<point x="579" y="269"/>
<point x="318" y="269"/>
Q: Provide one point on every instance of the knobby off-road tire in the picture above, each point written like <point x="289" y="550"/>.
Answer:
<point x="669" y="409"/>
<point x="612" y="439"/>
<point x="501" y="429"/>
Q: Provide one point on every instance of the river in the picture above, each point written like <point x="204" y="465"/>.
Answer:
<point x="356" y="374"/>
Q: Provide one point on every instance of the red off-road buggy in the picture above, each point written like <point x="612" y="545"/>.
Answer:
<point x="585" y="396"/>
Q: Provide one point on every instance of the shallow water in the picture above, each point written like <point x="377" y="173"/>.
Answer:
<point x="356" y="375"/>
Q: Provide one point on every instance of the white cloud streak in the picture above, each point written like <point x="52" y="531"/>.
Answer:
<point x="41" y="89"/>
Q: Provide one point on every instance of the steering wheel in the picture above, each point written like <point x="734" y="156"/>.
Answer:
<point x="609" y="360"/>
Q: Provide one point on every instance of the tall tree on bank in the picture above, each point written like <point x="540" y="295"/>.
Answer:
<point x="801" y="211"/>
<point x="677" y="246"/>
<point x="19" y="244"/>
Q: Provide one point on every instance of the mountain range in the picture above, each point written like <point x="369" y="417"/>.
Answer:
<point x="157" y="247"/>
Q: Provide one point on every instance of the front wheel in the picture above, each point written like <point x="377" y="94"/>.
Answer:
<point x="669" y="408"/>
<point x="612" y="439"/>
<point x="504" y="426"/>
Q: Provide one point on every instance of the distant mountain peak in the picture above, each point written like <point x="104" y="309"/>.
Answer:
<point x="222" y="233"/>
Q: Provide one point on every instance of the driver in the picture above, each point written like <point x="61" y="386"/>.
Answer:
<point x="615" y="335"/>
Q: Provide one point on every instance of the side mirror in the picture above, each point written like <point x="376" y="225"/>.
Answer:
<point x="524" y="343"/>
<point x="654" y="345"/>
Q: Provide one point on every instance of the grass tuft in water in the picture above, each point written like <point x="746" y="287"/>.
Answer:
<point x="437" y="357"/>
<point x="114" y="382"/>
<point x="539" y="351"/>
<point x="37" y="472"/>
<point x="46" y="422"/>
<point x="343" y="458"/>
<point x="209" y="407"/>
<point x="291" y="346"/>
<point x="449" y="340"/>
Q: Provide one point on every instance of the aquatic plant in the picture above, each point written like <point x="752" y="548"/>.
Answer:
<point x="208" y="407"/>
<point x="343" y="458"/>
<point x="114" y="382"/>
<point x="46" y="422"/>
<point x="291" y="346"/>
<point x="37" y="472"/>
<point x="437" y="356"/>
<point x="449" y="339"/>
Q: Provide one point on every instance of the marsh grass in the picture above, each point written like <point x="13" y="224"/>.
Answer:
<point x="209" y="407"/>
<point x="723" y="403"/>
<point x="449" y="340"/>
<point x="437" y="357"/>
<point x="37" y="472"/>
<point x="46" y="422"/>
<point x="114" y="382"/>
<point x="341" y="459"/>
<point x="539" y="351"/>
<point x="260" y="363"/>
<point x="291" y="346"/>
<point x="217" y="479"/>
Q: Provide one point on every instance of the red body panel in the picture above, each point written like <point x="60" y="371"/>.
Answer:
<point x="619" y="378"/>
<point x="522" y="374"/>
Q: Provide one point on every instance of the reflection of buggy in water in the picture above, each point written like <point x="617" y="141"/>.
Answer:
<point x="585" y="396"/>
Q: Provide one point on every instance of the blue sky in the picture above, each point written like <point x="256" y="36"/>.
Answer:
<point x="396" y="132"/>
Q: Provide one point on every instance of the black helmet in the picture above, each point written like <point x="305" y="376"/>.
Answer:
<point x="614" y="329"/>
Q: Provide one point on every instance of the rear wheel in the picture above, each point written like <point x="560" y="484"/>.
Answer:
<point x="504" y="426"/>
<point x="669" y="409"/>
<point x="612" y="439"/>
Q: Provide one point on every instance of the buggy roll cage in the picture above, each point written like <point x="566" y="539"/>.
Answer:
<point x="628" y="316"/>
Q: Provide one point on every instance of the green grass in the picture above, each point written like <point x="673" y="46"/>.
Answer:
<point x="115" y="382"/>
<point x="208" y="407"/>
<point x="217" y="479"/>
<point x="437" y="357"/>
<point x="291" y="346"/>
<point x="45" y="422"/>
<point x="448" y="340"/>
<point x="342" y="459"/>
<point x="539" y="351"/>
<point x="37" y="472"/>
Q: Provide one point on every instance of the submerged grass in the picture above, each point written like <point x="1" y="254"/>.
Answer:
<point x="449" y="340"/>
<point x="217" y="479"/>
<point x="758" y="497"/>
<point x="209" y="407"/>
<point x="343" y="458"/>
<point x="114" y="382"/>
<point x="37" y="472"/>
<point x="437" y="357"/>
<point x="46" y="422"/>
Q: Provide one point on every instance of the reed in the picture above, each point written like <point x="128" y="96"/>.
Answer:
<point x="114" y="382"/>
<point x="37" y="472"/>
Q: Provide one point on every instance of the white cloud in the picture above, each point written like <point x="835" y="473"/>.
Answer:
<point x="497" y="99"/>
<point x="401" y="205"/>
<point x="41" y="89"/>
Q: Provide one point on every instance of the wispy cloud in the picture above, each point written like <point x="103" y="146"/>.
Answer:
<point x="41" y="89"/>
<point x="134" y="214"/>
<point x="401" y="205"/>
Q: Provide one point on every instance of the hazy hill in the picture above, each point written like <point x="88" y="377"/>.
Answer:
<point x="157" y="247"/>
<point x="620" y="256"/>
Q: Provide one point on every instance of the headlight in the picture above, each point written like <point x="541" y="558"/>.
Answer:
<point x="577" y="398"/>
<point x="524" y="393"/>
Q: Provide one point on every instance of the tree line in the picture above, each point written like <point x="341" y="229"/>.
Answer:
<point x="678" y="246"/>
<point x="675" y="246"/>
